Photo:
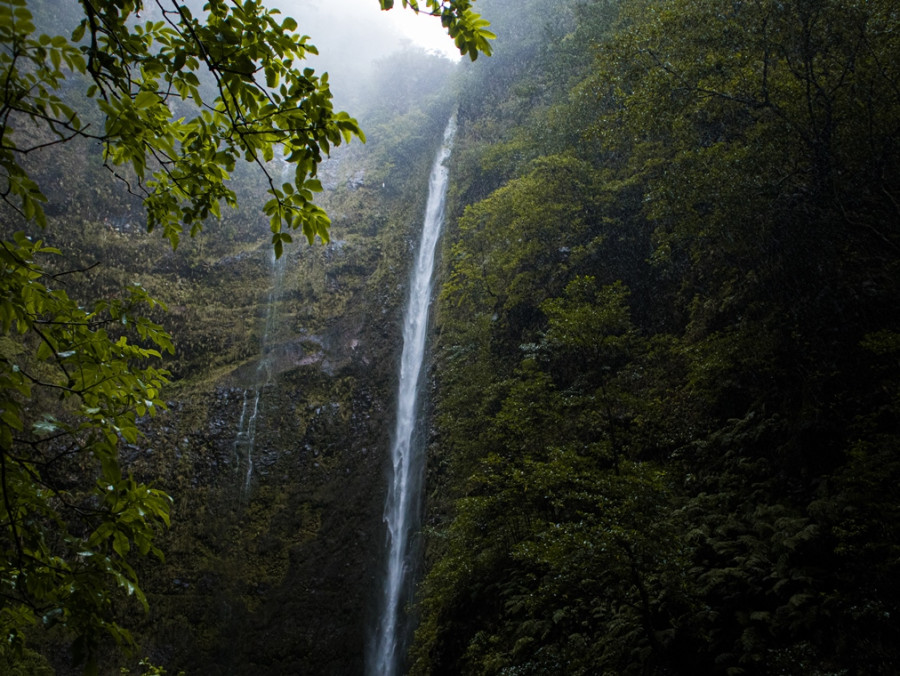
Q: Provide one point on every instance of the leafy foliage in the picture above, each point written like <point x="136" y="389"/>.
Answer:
<point x="139" y="74"/>
<point x="73" y="385"/>
<point x="666" y="354"/>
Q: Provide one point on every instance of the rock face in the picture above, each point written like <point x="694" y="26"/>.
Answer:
<point x="273" y="570"/>
<point x="273" y="577"/>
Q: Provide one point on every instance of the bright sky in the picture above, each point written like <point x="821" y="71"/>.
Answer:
<point x="423" y="31"/>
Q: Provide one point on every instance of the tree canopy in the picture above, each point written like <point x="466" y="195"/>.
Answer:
<point x="177" y="100"/>
<point x="666" y="346"/>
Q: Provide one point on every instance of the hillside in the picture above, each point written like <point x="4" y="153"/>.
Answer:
<point x="666" y="368"/>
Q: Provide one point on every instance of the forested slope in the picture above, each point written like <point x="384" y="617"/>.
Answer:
<point x="667" y="350"/>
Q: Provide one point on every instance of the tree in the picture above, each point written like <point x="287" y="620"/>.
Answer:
<point x="176" y="97"/>
<point x="182" y="99"/>
<point x="72" y="384"/>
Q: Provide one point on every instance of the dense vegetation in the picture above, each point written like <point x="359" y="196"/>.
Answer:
<point x="666" y="376"/>
<point x="668" y="345"/>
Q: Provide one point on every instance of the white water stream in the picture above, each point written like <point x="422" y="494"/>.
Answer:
<point x="245" y="440"/>
<point x="402" y="506"/>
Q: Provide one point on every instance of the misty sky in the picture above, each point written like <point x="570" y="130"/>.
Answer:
<point x="355" y="39"/>
<point x="359" y="29"/>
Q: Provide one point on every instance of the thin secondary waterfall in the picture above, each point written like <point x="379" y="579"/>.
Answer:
<point x="245" y="440"/>
<point x="404" y="489"/>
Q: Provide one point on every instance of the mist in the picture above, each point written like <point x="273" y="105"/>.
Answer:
<point x="357" y="42"/>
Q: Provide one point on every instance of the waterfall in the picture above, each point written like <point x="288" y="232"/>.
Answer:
<point x="402" y="506"/>
<point x="245" y="440"/>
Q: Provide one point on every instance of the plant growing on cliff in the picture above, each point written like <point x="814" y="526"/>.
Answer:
<point x="674" y="472"/>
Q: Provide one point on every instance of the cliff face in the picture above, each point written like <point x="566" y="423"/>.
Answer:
<point x="272" y="574"/>
<point x="274" y="554"/>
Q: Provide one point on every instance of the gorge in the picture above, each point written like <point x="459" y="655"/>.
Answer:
<point x="633" y="412"/>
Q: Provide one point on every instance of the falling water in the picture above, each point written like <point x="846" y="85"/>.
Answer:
<point x="404" y="489"/>
<point x="245" y="440"/>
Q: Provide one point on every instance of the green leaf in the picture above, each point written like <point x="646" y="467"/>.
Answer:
<point x="145" y="99"/>
<point x="12" y="418"/>
<point x="121" y="546"/>
<point x="179" y="60"/>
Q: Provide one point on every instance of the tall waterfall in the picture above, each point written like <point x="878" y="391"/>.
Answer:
<point x="402" y="506"/>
